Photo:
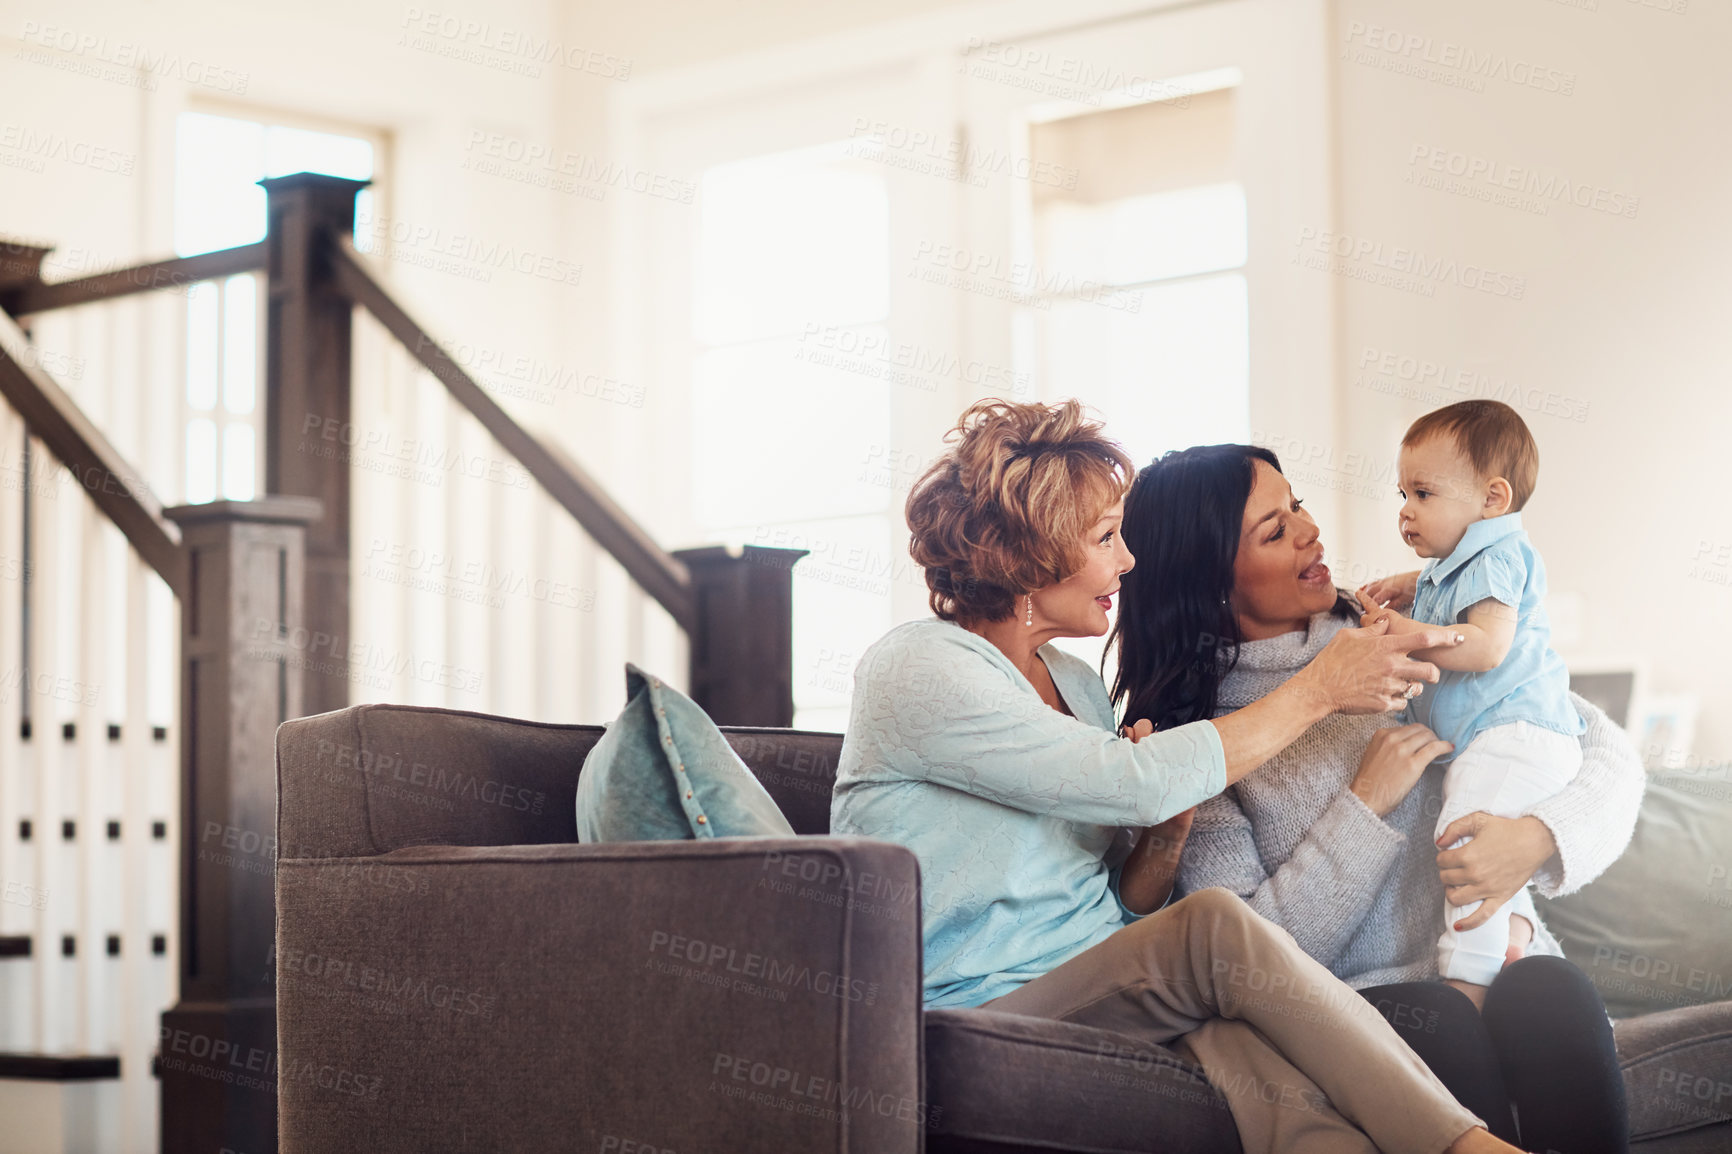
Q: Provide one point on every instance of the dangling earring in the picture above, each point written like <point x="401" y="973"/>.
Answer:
<point x="1028" y="599"/>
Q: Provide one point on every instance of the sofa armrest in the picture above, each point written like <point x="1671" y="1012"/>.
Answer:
<point x="728" y="994"/>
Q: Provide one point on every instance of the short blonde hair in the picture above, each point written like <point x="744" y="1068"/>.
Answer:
<point x="1494" y="439"/>
<point x="1004" y="511"/>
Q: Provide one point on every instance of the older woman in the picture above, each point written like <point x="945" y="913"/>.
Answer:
<point x="1332" y="838"/>
<point x="1040" y="831"/>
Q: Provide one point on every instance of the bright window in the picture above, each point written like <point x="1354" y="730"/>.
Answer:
<point x="1156" y="332"/>
<point x="1144" y="314"/>
<point x="792" y="261"/>
<point x="219" y="161"/>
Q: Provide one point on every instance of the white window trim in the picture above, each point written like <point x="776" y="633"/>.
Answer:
<point x="1286" y="136"/>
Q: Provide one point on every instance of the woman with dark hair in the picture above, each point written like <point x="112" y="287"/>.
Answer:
<point x="1332" y="838"/>
<point x="1042" y="834"/>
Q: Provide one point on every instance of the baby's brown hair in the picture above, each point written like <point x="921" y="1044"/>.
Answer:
<point x="1494" y="439"/>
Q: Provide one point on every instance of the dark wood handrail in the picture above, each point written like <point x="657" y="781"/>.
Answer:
<point x="40" y="296"/>
<point x="657" y="572"/>
<point x="99" y="469"/>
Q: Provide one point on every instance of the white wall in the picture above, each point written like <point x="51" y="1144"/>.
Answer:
<point x="1622" y="320"/>
<point x="1621" y="317"/>
<point x="1606" y="316"/>
<point x="1611" y="318"/>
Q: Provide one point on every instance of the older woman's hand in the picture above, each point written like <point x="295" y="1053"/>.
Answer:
<point x="1369" y="671"/>
<point x="1495" y="865"/>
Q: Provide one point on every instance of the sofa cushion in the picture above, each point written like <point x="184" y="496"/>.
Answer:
<point x="1654" y="932"/>
<point x="1003" y="1082"/>
<point x="1678" y="1070"/>
<point x="664" y="772"/>
<point x="797" y="767"/>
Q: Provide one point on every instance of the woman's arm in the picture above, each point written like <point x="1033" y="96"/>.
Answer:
<point x="1569" y="839"/>
<point x="1247" y="735"/>
<point x="1143" y="873"/>
<point x="1593" y="818"/>
<point x="941" y="712"/>
<point x="931" y="707"/>
<point x="1359" y="671"/>
<point x="1145" y="880"/>
<point x="1321" y="893"/>
<point x="1487" y="631"/>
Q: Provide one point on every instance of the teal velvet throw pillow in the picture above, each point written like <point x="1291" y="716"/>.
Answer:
<point x="664" y="772"/>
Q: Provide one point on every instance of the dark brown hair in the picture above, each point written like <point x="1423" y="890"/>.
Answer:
<point x="1004" y="511"/>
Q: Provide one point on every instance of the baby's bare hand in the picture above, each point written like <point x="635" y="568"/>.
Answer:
<point x="1396" y="592"/>
<point x="1373" y="611"/>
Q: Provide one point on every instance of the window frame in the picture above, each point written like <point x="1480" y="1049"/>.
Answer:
<point x="219" y="414"/>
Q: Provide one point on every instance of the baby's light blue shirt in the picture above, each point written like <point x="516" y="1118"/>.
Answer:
<point x="1020" y="816"/>
<point x="1494" y="560"/>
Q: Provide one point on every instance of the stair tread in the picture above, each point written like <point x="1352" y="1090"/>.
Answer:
<point x="59" y="1067"/>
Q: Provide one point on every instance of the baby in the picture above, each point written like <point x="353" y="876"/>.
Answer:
<point x="1466" y="471"/>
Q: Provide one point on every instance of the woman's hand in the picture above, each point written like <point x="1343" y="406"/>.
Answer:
<point x="1392" y="765"/>
<point x="1369" y="671"/>
<point x="1359" y="671"/>
<point x="1397" y="592"/>
<point x="1495" y="865"/>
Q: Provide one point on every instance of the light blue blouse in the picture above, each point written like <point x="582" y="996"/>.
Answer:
<point x="1019" y="815"/>
<point x="1494" y="560"/>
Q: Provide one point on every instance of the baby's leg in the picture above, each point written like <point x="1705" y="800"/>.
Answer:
<point x="1505" y="771"/>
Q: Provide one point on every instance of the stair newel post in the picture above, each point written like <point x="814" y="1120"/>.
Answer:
<point x="244" y="645"/>
<point x="742" y="633"/>
<point x="310" y="434"/>
<point x="20" y="266"/>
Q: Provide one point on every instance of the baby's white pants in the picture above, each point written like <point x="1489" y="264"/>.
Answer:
<point x="1505" y="771"/>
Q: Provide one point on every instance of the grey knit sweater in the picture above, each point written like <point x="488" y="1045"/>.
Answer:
<point x="1361" y="893"/>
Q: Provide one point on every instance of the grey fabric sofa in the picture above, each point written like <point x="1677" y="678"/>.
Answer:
<point x="454" y="973"/>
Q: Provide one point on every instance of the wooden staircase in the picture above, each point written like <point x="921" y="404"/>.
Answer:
<point x="251" y="579"/>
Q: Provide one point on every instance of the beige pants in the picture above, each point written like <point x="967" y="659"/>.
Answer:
<point x="1307" y="1065"/>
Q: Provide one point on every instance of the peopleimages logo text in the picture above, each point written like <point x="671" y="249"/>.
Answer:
<point x="1410" y="262"/>
<point x="1480" y="65"/>
<point x="1474" y="169"/>
<point x="153" y="64"/>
